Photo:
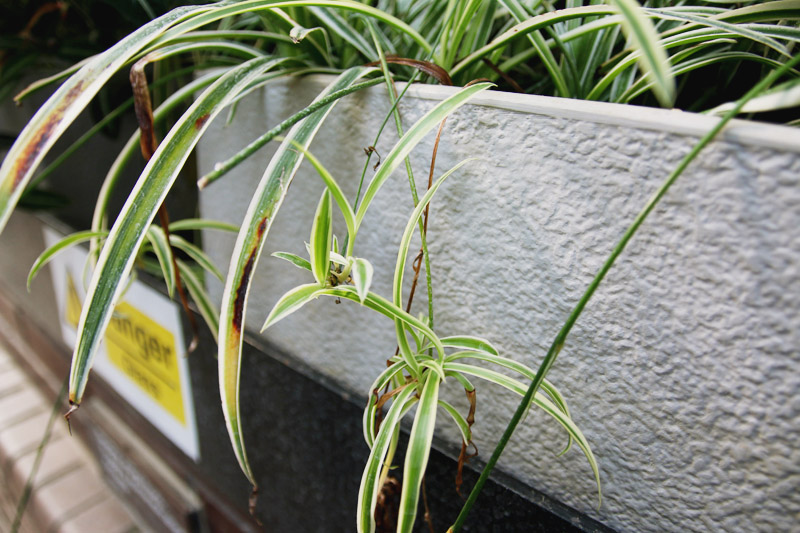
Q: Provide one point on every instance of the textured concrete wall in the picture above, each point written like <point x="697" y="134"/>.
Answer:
<point x="684" y="370"/>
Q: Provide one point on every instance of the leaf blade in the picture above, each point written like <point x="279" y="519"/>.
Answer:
<point x="418" y="452"/>
<point x="65" y="105"/>
<point x="116" y="259"/>
<point x="362" y="277"/>
<point x="266" y="202"/>
<point x="653" y="59"/>
<point x="321" y="236"/>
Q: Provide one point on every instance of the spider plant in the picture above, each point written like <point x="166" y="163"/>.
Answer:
<point x="620" y="52"/>
<point x="415" y="375"/>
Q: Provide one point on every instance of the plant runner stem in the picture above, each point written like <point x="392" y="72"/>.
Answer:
<point x="149" y="144"/>
<point x="223" y="168"/>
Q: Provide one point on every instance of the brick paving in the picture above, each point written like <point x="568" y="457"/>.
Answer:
<point x="69" y="494"/>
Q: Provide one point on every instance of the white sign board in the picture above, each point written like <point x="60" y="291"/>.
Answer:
<point x="143" y="355"/>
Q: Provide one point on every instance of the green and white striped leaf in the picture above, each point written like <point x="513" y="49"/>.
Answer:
<point x="200" y="297"/>
<point x="461" y="422"/>
<point x="266" y="202"/>
<point x="382" y="381"/>
<point x="337" y="24"/>
<point x="292" y="301"/>
<point x="411" y="138"/>
<point x="229" y="9"/>
<point x="537" y="41"/>
<point x="132" y="148"/>
<point x="116" y="259"/>
<point x="158" y="240"/>
<point x="296" y="260"/>
<point x="333" y="186"/>
<point x="67" y="102"/>
<point x="653" y="59"/>
<point x="220" y="169"/>
<point x="196" y="254"/>
<point x="370" y="479"/>
<point x="339" y="259"/>
<point x="542" y="402"/>
<point x="321" y="236"/>
<point x="362" y="277"/>
<point x="740" y="30"/>
<point x="419" y="449"/>
<point x="519" y="368"/>
<point x="299" y="296"/>
<point x="781" y="97"/>
<point x="402" y="253"/>
<point x="67" y="242"/>
<point x="470" y="342"/>
<point x="532" y="24"/>
<point x="196" y="224"/>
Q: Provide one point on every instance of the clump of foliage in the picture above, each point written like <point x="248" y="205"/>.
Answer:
<point x="617" y="52"/>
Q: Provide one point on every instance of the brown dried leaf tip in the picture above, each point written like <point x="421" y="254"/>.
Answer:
<point x="463" y="457"/>
<point x="252" y="502"/>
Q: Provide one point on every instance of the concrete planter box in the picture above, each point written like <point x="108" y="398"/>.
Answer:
<point x="684" y="370"/>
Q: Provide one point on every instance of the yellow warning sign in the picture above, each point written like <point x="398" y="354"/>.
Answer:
<point x="145" y="352"/>
<point x="141" y="348"/>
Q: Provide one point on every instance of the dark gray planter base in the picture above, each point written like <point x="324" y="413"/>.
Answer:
<point x="305" y="444"/>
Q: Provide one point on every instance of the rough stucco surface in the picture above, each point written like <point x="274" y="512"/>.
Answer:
<point x="684" y="370"/>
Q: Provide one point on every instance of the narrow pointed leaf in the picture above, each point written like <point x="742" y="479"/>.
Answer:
<point x="220" y="169"/>
<point x="542" y="402"/>
<point x="321" y="236"/>
<point x="116" y="259"/>
<point x="292" y="301"/>
<point x="158" y="240"/>
<point x="266" y="202"/>
<point x="370" y="479"/>
<point x="419" y="449"/>
<point x="532" y="24"/>
<point x="405" y="240"/>
<point x="339" y="25"/>
<point x="387" y="308"/>
<point x="333" y="186"/>
<point x="781" y="97"/>
<point x="469" y="342"/>
<point x="733" y="29"/>
<point x="195" y="224"/>
<point x="519" y="368"/>
<point x="412" y="137"/>
<point x="402" y="253"/>
<point x="653" y="59"/>
<point x="339" y="259"/>
<point x="229" y="9"/>
<point x="67" y="242"/>
<point x="381" y="382"/>
<point x="463" y="426"/>
<point x="132" y="149"/>
<point x="537" y="41"/>
<point x="67" y="102"/>
<point x="296" y="260"/>
<point x="196" y="254"/>
<point x="200" y="297"/>
<point x="362" y="277"/>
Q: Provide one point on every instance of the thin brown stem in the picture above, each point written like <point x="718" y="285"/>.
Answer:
<point x="508" y="79"/>
<point x="428" y="516"/>
<point x="148" y="143"/>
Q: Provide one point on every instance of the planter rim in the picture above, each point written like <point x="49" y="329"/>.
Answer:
<point x="745" y="132"/>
